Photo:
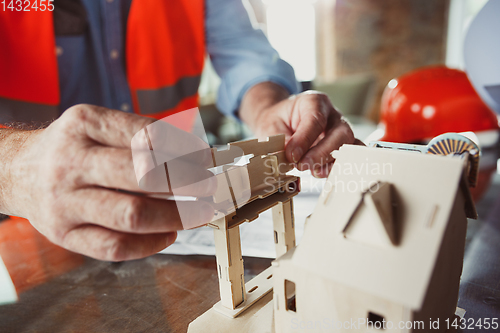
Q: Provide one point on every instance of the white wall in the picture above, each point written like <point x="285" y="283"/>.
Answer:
<point x="461" y="14"/>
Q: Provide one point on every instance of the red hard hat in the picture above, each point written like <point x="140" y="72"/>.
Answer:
<point x="431" y="101"/>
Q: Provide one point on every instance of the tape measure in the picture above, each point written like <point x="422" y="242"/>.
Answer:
<point x="456" y="144"/>
<point x="445" y="144"/>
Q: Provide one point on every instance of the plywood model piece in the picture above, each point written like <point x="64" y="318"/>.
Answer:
<point x="384" y="244"/>
<point x="243" y="193"/>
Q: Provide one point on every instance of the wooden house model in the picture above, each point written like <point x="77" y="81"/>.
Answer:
<point x="383" y="249"/>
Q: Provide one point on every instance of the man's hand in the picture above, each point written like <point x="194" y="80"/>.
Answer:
<point x="312" y="126"/>
<point x="76" y="184"/>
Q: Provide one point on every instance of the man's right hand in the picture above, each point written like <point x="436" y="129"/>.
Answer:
<point x="75" y="182"/>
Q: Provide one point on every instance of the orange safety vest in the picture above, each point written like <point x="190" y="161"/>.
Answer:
<point x="165" y="50"/>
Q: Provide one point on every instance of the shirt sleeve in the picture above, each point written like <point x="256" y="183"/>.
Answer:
<point x="241" y="55"/>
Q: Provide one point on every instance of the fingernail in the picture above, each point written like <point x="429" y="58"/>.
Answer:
<point x="317" y="172"/>
<point x="297" y="154"/>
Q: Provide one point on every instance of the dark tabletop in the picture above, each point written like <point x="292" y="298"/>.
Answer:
<point x="60" y="291"/>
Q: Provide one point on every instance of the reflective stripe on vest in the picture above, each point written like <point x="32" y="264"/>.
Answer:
<point x="165" y="51"/>
<point x="26" y="112"/>
<point x="156" y="100"/>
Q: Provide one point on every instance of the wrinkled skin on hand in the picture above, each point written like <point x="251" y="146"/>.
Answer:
<point x="76" y="184"/>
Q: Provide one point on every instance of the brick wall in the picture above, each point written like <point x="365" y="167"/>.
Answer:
<point x="388" y="38"/>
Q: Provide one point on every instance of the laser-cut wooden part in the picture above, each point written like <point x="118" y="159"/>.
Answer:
<point x="256" y="319"/>
<point x="229" y="265"/>
<point x="374" y="220"/>
<point x="235" y="150"/>
<point x="271" y="145"/>
<point x="233" y="188"/>
<point x="262" y="170"/>
<point x="251" y="211"/>
<point x="228" y="247"/>
<point x="263" y="175"/>
<point x="256" y="288"/>
<point x="285" y="184"/>
<point x="284" y="227"/>
<point x="244" y="192"/>
<point x="382" y="201"/>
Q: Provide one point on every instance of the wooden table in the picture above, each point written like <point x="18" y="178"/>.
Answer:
<point x="61" y="291"/>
